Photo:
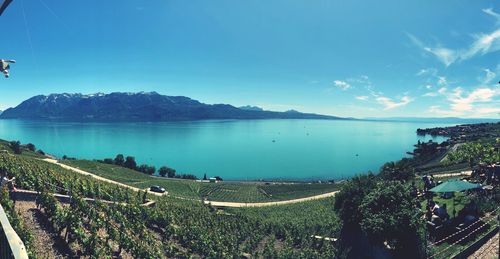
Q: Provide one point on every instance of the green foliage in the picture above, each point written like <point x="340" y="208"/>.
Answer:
<point x="403" y="170"/>
<point x="174" y="228"/>
<point x="474" y="153"/>
<point x="130" y="163"/>
<point x="31" y="147"/>
<point x="389" y="214"/>
<point x="349" y="199"/>
<point x="16" y="147"/>
<point x="119" y="160"/>
<point x="167" y="171"/>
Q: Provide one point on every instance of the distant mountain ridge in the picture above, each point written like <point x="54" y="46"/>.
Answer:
<point x="142" y="106"/>
<point x="436" y="119"/>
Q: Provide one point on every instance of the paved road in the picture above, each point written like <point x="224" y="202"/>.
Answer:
<point x="213" y="203"/>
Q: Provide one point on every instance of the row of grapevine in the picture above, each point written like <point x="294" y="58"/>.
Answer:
<point x="173" y="228"/>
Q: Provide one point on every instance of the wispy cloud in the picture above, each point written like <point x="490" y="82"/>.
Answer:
<point x="492" y="13"/>
<point x="362" y="98"/>
<point x="442" y="81"/>
<point x="488" y="77"/>
<point x="462" y="103"/>
<point x="390" y="104"/>
<point x="483" y="43"/>
<point x="342" y="84"/>
<point x="427" y="72"/>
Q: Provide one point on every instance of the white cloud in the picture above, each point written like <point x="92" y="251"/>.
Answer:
<point x="482" y="44"/>
<point x="485" y="43"/>
<point x="342" y="84"/>
<point x="446" y="56"/>
<point x="462" y="103"/>
<point x="492" y="13"/>
<point x="427" y="71"/>
<point x="488" y="77"/>
<point x="428" y="86"/>
<point x="389" y="104"/>
<point x="442" y="81"/>
<point x="440" y="91"/>
<point x="362" y="98"/>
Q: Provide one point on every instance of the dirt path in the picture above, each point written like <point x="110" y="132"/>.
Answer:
<point x="272" y="203"/>
<point x="46" y="243"/>
<point x="488" y="250"/>
<point x="463" y="173"/>
<point x="76" y="170"/>
<point x="213" y="203"/>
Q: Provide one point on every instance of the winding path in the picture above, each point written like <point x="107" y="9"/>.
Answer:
<point x="213" y="203"/>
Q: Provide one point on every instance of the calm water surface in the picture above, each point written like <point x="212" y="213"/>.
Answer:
<point x="249" y="149"/>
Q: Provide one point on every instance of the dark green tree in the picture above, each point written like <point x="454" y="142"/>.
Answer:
<point x="389" y="216"/>
<point x="31" y="147"/>
<point x="16" y="147"/>
<point x="108" y="161"/>
<point x="348" y="200"/>
<point x="151" y="170"/>
<point x="130" y="163"/>
<point x="119" y="160"/>
<point x="403" y="170"/>
<point x="164" y="171"/>
<point x="143" y="168"/>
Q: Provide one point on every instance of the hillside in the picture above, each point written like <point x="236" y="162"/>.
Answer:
<point x="141" y="106"/>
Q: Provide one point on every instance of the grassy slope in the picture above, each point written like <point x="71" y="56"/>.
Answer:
<point x="236" y="192"/>
<point x="5" y="145"/>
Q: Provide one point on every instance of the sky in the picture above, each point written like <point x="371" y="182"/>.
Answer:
<point x="357" y="58"/>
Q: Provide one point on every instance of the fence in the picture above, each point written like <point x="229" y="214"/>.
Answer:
<point x="11" y="246"/>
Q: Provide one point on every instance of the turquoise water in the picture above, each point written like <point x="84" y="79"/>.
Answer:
<point x="249" y="149"/>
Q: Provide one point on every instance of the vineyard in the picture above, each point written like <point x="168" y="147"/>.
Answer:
<point x="171" y="228"/>
<point x="225" y="191"/>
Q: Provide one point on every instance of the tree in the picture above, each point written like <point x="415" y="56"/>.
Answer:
<point x="348" y="200"/>
<point x="143" y="168"/>
<point x="31" y="147"/>
<point x="389" y="215"/>
<point x="108" y="161"/>
<point x="170" y="172"/>
<point x="205" y="177"/>
<point x="402" y="170"/>
<point x="151" y="170"/>
<point x="164" y="170"/>
<point x="16" y="147"/>
<point x="130" y="163"/>
<point x="119" y="160"/>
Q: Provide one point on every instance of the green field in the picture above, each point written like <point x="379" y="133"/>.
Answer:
<point x="225" y="191"/>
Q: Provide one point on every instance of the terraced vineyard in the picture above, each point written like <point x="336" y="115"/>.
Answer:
<point x="225" y="191"/>
<point x="172" y="228"/>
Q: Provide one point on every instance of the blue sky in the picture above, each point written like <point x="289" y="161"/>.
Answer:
<point x="347" y="58"/>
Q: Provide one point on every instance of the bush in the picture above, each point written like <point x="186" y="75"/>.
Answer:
<point x="16" y="147"/>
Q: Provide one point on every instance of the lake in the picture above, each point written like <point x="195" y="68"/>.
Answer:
<point x="232" y="149"/>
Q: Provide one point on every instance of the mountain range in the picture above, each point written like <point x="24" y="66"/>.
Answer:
<point x="142" y="106"/>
